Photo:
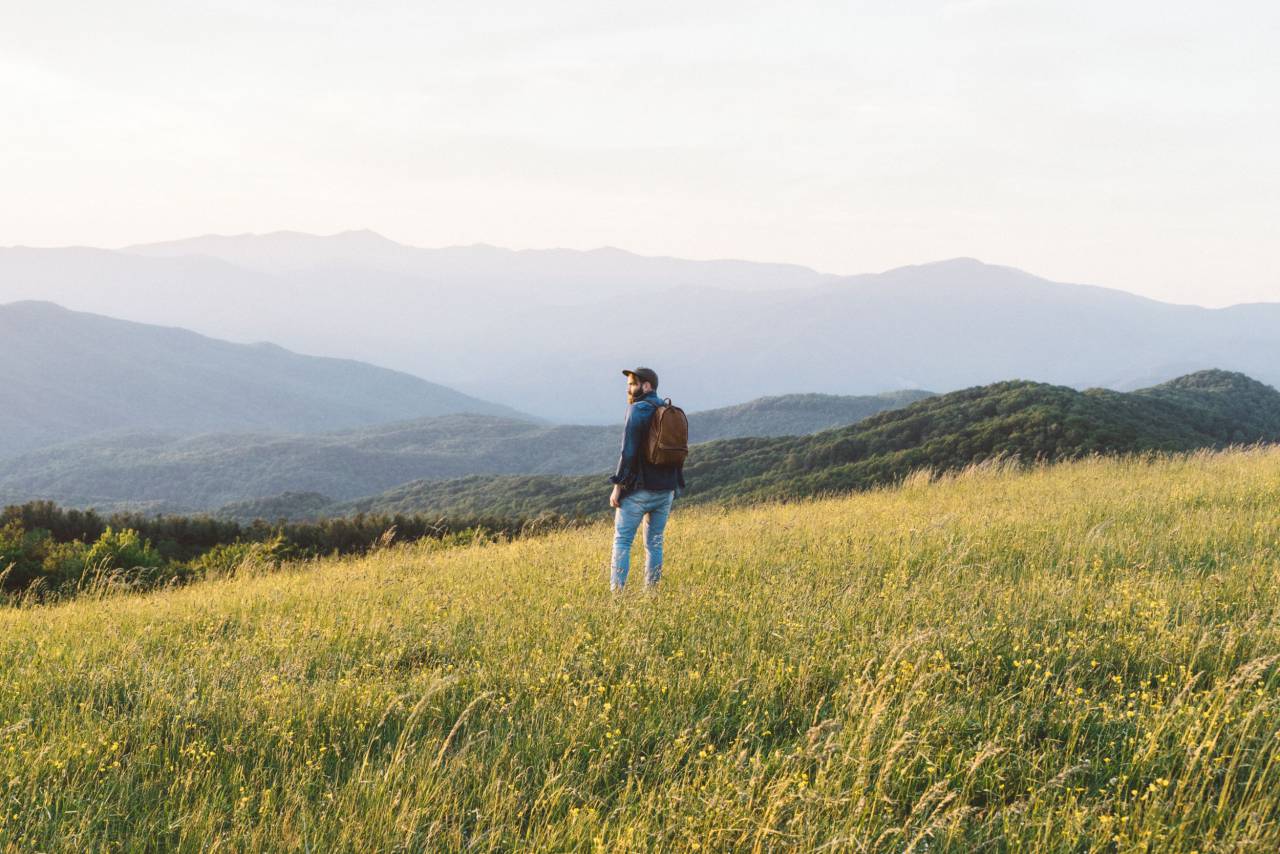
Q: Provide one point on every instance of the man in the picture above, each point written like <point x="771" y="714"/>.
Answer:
<point x="641" y="490"/>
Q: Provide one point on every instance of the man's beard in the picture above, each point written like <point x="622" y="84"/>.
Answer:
<point x="638" y="394"/>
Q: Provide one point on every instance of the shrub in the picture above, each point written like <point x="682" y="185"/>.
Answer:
<point x="122" y="549"/>
<point x="64" y="563"/>
<point x="230" y="558"/>
<point x="21" y="555"/>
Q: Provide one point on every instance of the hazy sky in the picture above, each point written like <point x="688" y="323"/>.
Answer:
<point x="1132" y="144"/>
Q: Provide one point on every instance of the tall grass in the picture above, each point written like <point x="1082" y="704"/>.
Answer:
<point x="1071" y="658"/>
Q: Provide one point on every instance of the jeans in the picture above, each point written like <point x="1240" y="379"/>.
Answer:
<point x="654" y="506"/>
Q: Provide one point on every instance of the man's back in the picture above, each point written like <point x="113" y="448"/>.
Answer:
<point x="642" y="491"/>
<point x="634" y="471"/>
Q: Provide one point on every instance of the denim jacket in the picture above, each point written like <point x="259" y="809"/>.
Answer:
<point x="633" y="472"/>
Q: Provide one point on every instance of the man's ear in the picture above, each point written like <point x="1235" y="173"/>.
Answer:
<point x="646" y="388"/>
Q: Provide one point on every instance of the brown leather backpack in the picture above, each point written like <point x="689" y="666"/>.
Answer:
<point x="668" y="443"/>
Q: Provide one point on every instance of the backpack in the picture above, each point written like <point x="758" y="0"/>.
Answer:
<point x="668" y="442"/>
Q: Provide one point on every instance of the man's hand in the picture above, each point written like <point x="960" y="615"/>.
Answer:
<point x="615" y="497"/>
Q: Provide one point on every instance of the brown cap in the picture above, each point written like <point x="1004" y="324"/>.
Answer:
<point x="644" y="375"/>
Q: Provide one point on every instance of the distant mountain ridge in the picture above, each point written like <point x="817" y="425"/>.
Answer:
<point x="565" y="271"/>
<point x="1026" y="420"/>
<point x="465" y="316"/>
<point x="66" y="375"/>
<point x="195" y="473"/>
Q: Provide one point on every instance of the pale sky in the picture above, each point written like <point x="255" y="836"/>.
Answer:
<point x="1128" y="144"/>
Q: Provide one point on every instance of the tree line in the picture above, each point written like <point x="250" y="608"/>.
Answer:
<point x="52" y="551"/>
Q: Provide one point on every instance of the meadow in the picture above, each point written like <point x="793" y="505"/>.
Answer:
<point x="1081" y="657"/>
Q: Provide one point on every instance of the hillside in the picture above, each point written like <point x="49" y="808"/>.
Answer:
<point x="67" y="375"/>
<point x="1030" y="421"/>
<point x="185" y="474"/>
<point x="1078" y="657"/>
<point x="794" y="414"/>
<point x="464" y="316"/>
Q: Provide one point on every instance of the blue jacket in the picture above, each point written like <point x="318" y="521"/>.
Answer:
<point x="633" y="472"/>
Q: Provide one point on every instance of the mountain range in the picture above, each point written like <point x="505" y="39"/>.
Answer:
<point x="545" y="332"/>
<point x="65" y="375"/>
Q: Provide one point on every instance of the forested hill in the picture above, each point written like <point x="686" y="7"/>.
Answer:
<point x="794" y="414"/>
<point x="274" y="475"/>
<point x="1027" y="420"/>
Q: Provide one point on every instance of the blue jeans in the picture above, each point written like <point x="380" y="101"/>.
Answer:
<point x="656" y="506"/>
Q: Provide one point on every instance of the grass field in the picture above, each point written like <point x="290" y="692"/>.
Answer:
<point x="1072" y="658"/>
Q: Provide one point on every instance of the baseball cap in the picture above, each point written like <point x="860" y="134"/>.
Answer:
<point x="644" y="375"/>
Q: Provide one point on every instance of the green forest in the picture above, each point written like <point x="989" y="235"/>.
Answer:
<point x="49" y="552"/>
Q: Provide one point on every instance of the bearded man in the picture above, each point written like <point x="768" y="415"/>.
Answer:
<point x="642" y="491"/>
